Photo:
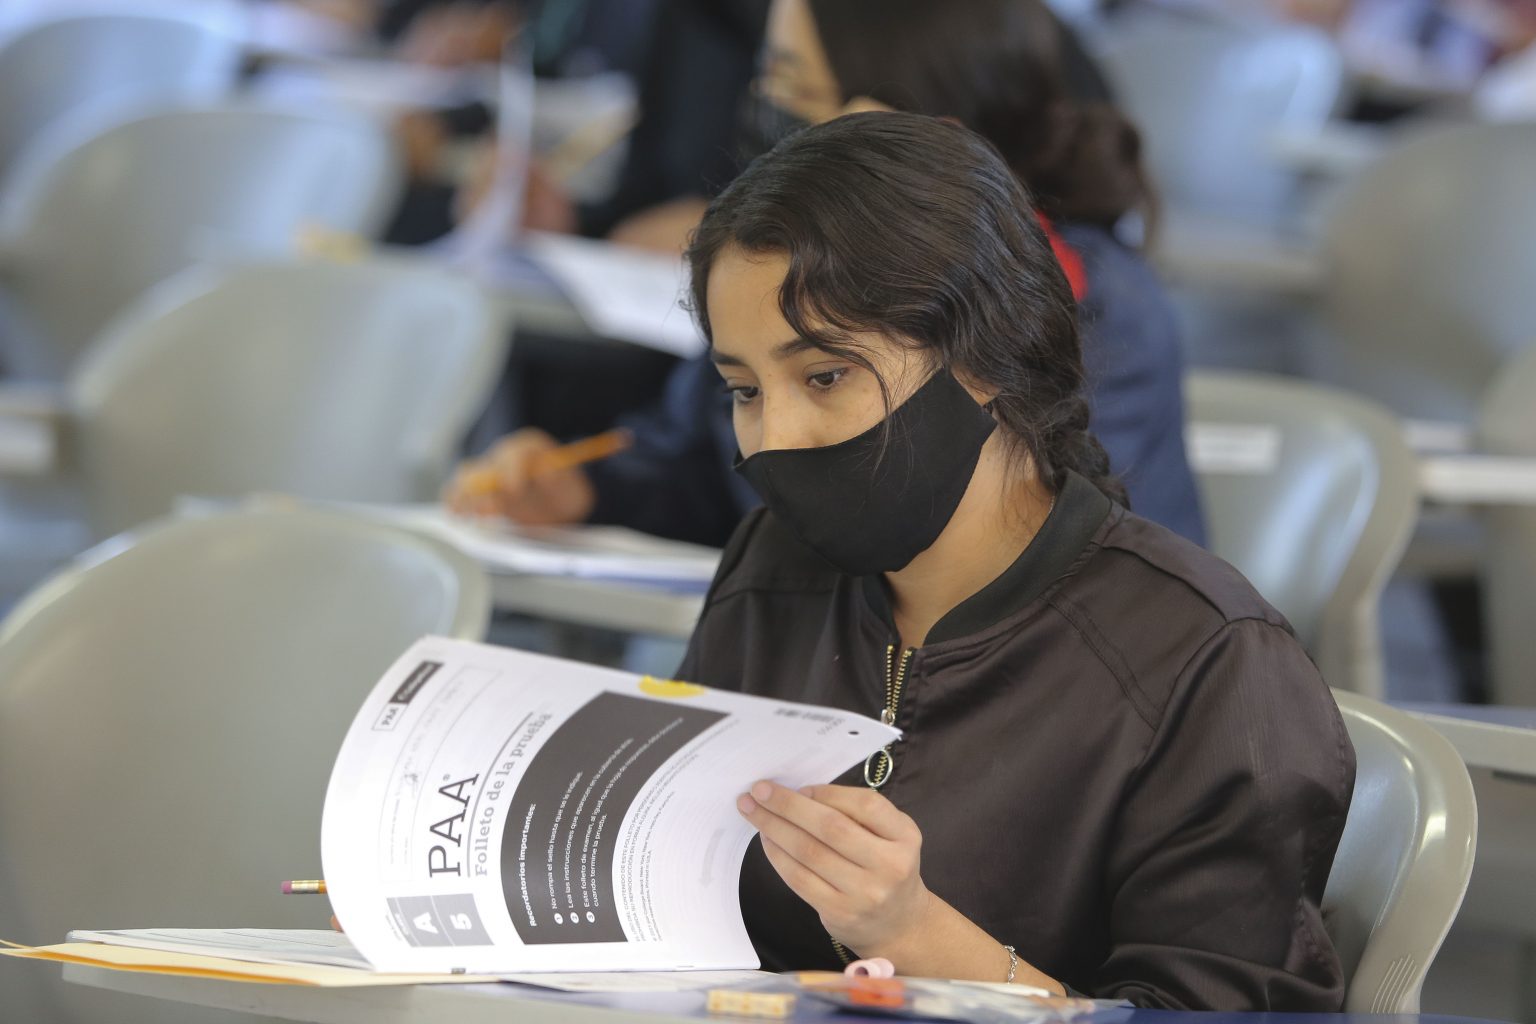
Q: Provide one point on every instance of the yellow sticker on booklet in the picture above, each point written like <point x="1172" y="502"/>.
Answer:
<point x="651" y="686"/>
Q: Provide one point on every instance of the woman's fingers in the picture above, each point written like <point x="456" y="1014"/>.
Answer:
<point x="866" y="807"/>
<point x="802" y="881"/>
<point x="806" y="849"/>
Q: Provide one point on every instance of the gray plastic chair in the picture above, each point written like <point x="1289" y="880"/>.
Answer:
<point x="1404" y="859"/>
<point x="1429" y="271"/>
<point x="168" y="720"/>
<point x="1320" y="531"/>
<point x="87" y="228"/>
<point x="1508" y="427"/>
<point x="351" y="382"/>
<point x="116" y="63"/>
<point x="1210" y="93"/>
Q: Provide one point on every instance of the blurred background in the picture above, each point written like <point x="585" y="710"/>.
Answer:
<point x="321" y="251"/>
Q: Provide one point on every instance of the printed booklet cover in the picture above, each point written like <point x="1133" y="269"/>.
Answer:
<point x="494" y="811"/>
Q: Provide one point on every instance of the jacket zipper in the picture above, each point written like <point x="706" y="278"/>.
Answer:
<point x="879" y="766"/>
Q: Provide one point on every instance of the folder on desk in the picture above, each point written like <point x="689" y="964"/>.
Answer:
<point x="322" y="958"/>
<point x="216" y="960"/>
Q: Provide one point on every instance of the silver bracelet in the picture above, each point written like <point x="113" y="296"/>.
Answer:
<point x="1013" y="964"/>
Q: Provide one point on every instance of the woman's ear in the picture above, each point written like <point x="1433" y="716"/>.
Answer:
<point x="863" y="105"/>
<point x="982" y="395"/>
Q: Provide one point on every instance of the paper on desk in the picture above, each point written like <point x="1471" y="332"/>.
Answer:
<point x="381" y="86"/>
<point x="326" y="947"/>
<point x="637" y="981"/>
<point x="585" y="552"/>
<point x="495" y="811"/>
<point x="155" y="961"/>
<point x="621" y="292"/>
<point x="257" y="945"/>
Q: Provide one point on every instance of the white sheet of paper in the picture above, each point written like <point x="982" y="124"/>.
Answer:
<point x="493" y="811"/>
<point x="637" y="981"/>
<point x="375" y="85"/>
<point x="621" y="292"/>
<point x="586" y="552"/>
<point x="334" y="949"/>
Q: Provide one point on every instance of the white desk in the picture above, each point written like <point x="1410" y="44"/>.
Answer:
<point x="1500" y="739"/>
<point x="615" y="606"/>
<point x="506" y="1004"/>
<point x="403" y="1004"/>
<point x="1223" y="256"/>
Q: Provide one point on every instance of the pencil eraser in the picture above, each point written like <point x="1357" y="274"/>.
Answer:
<point x="776" y="1005"/>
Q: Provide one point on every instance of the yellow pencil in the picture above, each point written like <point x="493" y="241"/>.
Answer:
<point x="568" y="456"/>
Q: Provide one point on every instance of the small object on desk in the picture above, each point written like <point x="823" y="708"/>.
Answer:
<point x="736" y="1003"/>
<point x="318" y="242"/>
<point x="878" y="967"/>
<point x="307" y="887"/>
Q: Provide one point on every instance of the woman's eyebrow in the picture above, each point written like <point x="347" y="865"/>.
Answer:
<point x="783" y="350"/>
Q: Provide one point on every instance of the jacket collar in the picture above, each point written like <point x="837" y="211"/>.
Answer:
<point x="1079" y="511"/>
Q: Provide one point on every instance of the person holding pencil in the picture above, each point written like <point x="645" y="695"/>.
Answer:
<point x="535" y="480"/>
<point x="1119" y="773"/>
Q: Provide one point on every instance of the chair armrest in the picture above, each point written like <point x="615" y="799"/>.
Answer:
<point x="31" y="423"/>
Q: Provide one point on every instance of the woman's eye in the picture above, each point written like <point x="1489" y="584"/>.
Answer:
<point x="826" y="379"/>
<point x="742" y="394"/>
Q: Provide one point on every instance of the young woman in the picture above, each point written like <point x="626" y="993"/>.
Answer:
<point x="996" y="66"/>
<point x="1119" y="773"/>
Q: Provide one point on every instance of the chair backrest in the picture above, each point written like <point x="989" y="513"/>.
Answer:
<point x="1209" y="95"/>
<point x="153" y="195"/>
<point x="168" y="720"/>
<point x="1404" y="858"/>
<point x="116" y="63"/>
<point x="1315" y="511"/>
<point x="1508" y="427"/>
<point x="1429" y="270"/>
<point x="350" y="382"/>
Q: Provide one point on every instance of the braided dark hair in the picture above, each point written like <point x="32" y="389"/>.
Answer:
<point x="915" y="228"/>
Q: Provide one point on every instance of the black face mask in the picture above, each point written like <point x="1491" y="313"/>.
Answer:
<point x="874" y="502"/>
<point x="764" y="124"/>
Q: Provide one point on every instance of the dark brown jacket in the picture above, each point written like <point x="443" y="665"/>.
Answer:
<point x="1121" y="760"/>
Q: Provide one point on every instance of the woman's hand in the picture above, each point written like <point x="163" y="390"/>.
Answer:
<point x="852" y="855"/>
<point x="507" y="482"/>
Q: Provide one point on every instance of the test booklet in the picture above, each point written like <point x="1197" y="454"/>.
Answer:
<point x="495" y="812"/>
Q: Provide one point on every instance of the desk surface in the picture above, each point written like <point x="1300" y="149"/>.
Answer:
<point x="1502" y="739"/>
<point x="499" y="1004"/>
<point x="628" y="609"/>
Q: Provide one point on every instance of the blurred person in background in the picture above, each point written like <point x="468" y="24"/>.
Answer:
<point x="993" y="65"/>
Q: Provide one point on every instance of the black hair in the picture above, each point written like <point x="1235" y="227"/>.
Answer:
<point x="915" y="228"/>
<point x="998" y="67"/>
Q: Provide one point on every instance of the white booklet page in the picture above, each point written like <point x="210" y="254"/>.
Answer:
<point x="493" y="811"/>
